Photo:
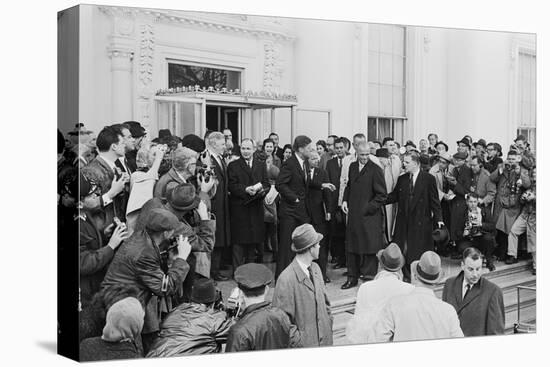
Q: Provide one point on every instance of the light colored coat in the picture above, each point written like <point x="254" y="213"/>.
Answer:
<point x="371" y="299"/>
<point x="485" y="188"/>
<point x="306" y="304"/>
<point x="418" y="315"/>
<point x="391" y="175"/>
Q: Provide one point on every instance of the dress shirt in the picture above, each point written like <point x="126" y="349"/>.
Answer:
<point x="415" y="176"/>
<point x="303" y="266"/>
<point x="465" y="287"/>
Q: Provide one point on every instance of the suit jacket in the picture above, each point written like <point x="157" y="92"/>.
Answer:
<point x="318" y="199"/>
<point x="247" y="219"/>
<point x="365" y="194"/>
<point x="333" y="172"/>
<point x="415" y="215"/>
<point x="292" y="184"/>
<point x="482" y="311"/>
<point x="305" y="303"/>
<point x="118" y="206"/>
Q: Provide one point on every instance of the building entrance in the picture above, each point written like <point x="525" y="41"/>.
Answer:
<point x="219" y="118"/>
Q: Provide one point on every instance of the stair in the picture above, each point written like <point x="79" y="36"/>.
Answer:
<point x="507" y="277"/>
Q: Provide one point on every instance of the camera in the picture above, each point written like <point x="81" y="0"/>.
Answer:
<point x="205" y="173"/>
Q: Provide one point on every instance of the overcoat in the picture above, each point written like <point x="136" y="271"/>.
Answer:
<point x="365" y="194"/>
<point x="247" y="217"/>
<point x="507" y="205"/>
<point x="464" y="178"/>
<point x="415" y="216"/>
<point x="305" y="303"/>
<point x="482" y="311"/>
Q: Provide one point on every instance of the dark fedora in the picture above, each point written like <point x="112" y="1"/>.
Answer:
<point x="464" y="141"/>
<point x="203" y="291"/>
<point x="164" y="134"/>
<point x="409" y="143"/>
<point x="481" y="142"/>
<point x="303" y="237"/>
<point x="442" y="143"/>
<point x="136" y="130"/>
<point x="184" y="197"/>
<point x="391" y="257"/>
<point x="520" y="137"/>
<point x="428" y="268"/>
<point x="441" y="236"/>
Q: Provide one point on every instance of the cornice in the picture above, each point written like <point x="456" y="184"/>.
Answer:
<point x="197" y="21"/>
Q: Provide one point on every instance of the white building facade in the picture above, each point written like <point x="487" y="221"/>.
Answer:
<point x="296" y="76"/>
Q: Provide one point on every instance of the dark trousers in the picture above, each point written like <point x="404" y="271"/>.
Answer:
<point x="243" y="253"/>
<point x="323" y="251"/>
<point x="285" y="255"/>
<point x="216" y="260"/>
<point x="338" y="242"/>
<point x="361" y="264"/>
<point x="484" y="243"/>
<point x="501" y="244"/>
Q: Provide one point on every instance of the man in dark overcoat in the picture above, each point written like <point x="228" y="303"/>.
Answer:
<point x="478" y="302"/>
<point x="292" y="184"/>
<point x="364" y="197"/>
<point x="418" y="208"/>
<point x="337" y="217"/>
<point x="247" y="180"/>
<point x="213" y="158"/>
<point x="460" y="180"/>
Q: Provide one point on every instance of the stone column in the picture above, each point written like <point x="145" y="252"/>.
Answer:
<point x="121" y="83"/>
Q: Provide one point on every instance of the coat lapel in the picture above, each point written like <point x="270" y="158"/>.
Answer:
<point x="246" y="168"/>
<point x="457" y="289"/>
<point x="301" y="276"/>
<point x="472" y="294"/>
<point x="417" y="189"/>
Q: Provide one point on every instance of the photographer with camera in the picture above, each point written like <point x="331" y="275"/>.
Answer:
<point x="138" y="263"/>
<point x="511" y="180"/>
<point x="261" y="326"/>
<point x="478" y="230"/>
<point x="197" y="327"/>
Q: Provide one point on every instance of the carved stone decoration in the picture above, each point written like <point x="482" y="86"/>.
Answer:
<point x="145" y="73"/>
<point x="273" y="70"/>
<point x="427" y="41"/>
<point x="124" y="26"/>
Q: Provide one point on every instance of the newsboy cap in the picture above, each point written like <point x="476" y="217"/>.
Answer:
<point x="159" y="220"/>
<point x="303" y="237"/>
<point x="252" y="276"/>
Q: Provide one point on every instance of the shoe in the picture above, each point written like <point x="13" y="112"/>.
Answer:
<point x="219" y="277"/>
<point x="327" y="280"/>
<point x="349" y="284"/>
<point x="491" y="266"/>
<point x="511" y="260"/>
<point x="364" y="277"/>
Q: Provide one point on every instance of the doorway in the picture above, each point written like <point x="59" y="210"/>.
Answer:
<point x="219" y="118"/>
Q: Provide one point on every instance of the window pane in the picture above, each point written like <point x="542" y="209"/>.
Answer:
<point x="185" y="75"/>
<point x="386" y="101"/>
<point x="374" y="98"/>
<point x="374" y="67"/>
<point x="384" y="129"/>
<point x="399" y="40"/>
<point x="398" y="71"/>
<point x="398" y="128"/>
<point x="398" y="102"/>
<point x="386" y="69"/>
<point x="371" y="128"/>
<point x="374" y="37"/>
<point x="386" y="38"/>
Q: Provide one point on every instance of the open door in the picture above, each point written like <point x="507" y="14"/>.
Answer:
<point x="181" y="115"/>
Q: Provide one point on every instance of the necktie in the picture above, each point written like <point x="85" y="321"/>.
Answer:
<point x="468" y="287"/>
<point x="310" y="274"/>
<point x="411" y="186"/>
<point x="339" y="163"/>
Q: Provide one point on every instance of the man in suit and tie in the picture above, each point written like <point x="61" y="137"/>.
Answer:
<point x="364" y="196"/>
<point x="110" y="179"/>
<point x="247" y="182"/>
<point x="129" y="146"/>
<point x="337" y="217"/>
<point x="292" y="184"/>
<point x="478" y="302"/>
<point x="318" y="198"/>
<point x="417" y="210"/>
<point x="213" y="157"/>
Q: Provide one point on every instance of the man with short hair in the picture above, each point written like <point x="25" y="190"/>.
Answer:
<point x="418" y="315"/>
<point x="417" y="210"/>
<point x="478" y="302"/>
<point x="139" y="134"/>
<point x="300" y="290"/>
<point x="423" y="146"/>
<point x="261" y="326"/>
<point x="293" y="186"/>
<point x="111" y="180"/>
<point x="337" y="217"/>
<point x="213" y="157"/>
<point x="432" y="139"/>
<point x="247" y="184"/>
<point x="330" y="153"/>
<point x="372" y="296"/>
<point x="349" y="159"/>
<point x="527" y="159"/>
<point x="129" y="146"/>
<point x="364" y="197"/>
<point x="494" y="154"/>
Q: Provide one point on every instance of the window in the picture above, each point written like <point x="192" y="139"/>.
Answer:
<point x="380" y="127"/>
<point x="181" y="75"/>
<point x="387" y="58"/>
<point x="527" y="97"/>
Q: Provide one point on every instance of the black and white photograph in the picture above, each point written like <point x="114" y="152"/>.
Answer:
<point x="231" y="182"/>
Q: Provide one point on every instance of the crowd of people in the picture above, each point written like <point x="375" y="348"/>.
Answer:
<point x="161" y="220"/>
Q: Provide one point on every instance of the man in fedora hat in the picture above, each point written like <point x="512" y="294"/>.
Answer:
<point x="372" y="296"/>
<point x="261" y="326"/>
<point x="478" y="302"/>
<point x="300" y="290"/>
<point x="419" y="315"/>
<point x="196" y="327"/>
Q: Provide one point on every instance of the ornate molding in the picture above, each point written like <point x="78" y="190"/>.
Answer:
<point x="197" y="21"/>
<point x="273" y="70"/>
<point x="145" y="76"/>
<point x="120" y="53"/>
